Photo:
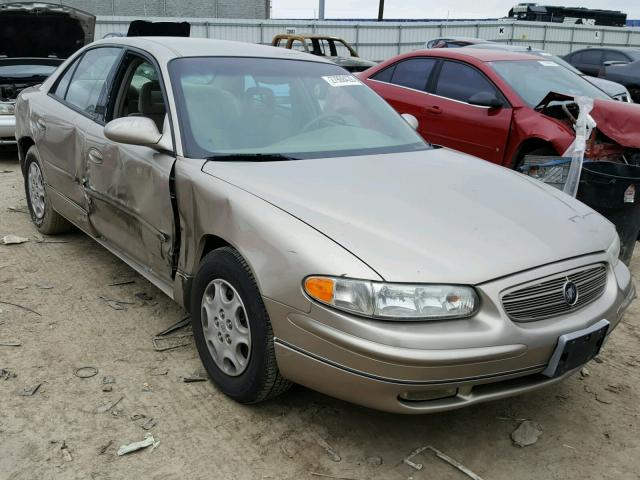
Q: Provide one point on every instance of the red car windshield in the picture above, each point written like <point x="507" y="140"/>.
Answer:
<point x="534" y="79"/>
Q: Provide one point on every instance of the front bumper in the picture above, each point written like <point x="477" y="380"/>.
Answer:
<point x="383" y="365"/>
<point x="7" y="130"/>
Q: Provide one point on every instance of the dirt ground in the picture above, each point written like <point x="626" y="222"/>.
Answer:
<point x="590" y="424"/>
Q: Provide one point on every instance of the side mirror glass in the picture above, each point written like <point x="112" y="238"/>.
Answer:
<point x="411" y="120"/>
<point x="135" y="131"/>
<point x="486" y="99"/>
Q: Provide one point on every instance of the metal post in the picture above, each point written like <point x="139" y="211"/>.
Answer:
<point x="381" y="10"/>
<point x="544" y="38"/>
<point x="357" y="42"/>
<point x="399" y="39"/>
<point x="573" y="34"/>
<point x="261" y="33"/>
<point x="321" y="10"/>
<point x="207" y="29"/>
<point x="629" y="38"/>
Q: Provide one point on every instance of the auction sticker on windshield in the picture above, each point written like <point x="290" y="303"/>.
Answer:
<point x="548" y="63"/>
<point x="341" y="80"/>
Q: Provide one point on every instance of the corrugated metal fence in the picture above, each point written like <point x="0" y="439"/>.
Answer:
<point x="379" y="41"/>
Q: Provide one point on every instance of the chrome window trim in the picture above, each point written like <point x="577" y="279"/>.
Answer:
<point x="434" y="95"/>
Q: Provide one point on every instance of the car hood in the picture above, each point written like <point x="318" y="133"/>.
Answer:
<point x="430" y="216"/>
<point x="61" y="30"/>
<point x="612" y="89"/>
<point x="619" y="121"/>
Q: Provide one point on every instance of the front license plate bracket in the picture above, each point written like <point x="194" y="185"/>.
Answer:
<point x="576" y="348"/>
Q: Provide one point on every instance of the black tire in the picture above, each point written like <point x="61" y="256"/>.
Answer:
<point x="261" y="379"/>
<point x="51" y="222"/>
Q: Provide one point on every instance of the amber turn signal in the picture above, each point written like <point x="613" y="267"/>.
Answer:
<point x="320" y="288"/>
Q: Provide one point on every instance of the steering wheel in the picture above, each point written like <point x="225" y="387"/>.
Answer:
<point x="329" y="118"/>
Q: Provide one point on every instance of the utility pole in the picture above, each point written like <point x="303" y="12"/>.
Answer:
<point x="321" y="10"/>
<point x="381" y="11"/>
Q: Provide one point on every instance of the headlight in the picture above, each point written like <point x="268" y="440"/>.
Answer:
<point x="393" y="301"/>
<point x="613" y="251"/>
<point x="7" y="108"/>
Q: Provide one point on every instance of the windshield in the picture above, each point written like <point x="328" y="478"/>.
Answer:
<point x="534" y="79"/>
<point x="298" y="109"/>
<point x="24" y="71"/>
<point x="558" y="60"/>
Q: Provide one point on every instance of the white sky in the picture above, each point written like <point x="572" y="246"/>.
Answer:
<point x="431" y="8"/>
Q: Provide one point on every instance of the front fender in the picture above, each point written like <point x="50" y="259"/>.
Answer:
<point x="531" y="125"/>
<point x="281" y="250"/>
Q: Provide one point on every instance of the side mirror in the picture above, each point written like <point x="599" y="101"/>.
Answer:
<point x="411" y="120"/>
<point x="486" y="99"/>
<point x="137" y="131"/>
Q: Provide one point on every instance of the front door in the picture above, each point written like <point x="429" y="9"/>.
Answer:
<point x="455" y="123"/>
<point x="129" y="185"/>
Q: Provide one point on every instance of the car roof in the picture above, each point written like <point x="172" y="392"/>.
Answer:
<point x="307" y="35"/>
<point x="466" y="39"/>
<point x="479" y="54"/>
<point x="605" y="47"/>
<point x="166" y="48"/>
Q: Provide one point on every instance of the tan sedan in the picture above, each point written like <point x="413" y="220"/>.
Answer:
<point x="312" y="234"/>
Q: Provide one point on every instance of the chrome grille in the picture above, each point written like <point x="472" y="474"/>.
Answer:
<point x="544" y="298"/>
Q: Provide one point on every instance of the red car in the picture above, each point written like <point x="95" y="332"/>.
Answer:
<point x="502" y="106"/>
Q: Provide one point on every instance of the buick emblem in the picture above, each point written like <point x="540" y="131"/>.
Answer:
<point x="570" y="293"/>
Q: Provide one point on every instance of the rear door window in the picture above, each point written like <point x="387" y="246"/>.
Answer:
<point x="590" y="57"/>
<point x="460" y="82"/>
<point x="413" y="73"/>
<point x="87" y="88"/>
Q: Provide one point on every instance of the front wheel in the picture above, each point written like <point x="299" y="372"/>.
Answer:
<point x="232" y="329"/>
<point x="44" y="217"/>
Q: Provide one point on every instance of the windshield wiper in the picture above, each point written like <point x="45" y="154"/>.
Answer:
<point x="250" y="157"/>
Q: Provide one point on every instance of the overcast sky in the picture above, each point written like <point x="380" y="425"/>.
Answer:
<point x="431" y="8"/>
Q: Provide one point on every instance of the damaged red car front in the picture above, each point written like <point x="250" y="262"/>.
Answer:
<point x="503" y="106"/>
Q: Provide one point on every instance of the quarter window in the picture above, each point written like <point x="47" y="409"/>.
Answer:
<point x="88" y="85"/>
<point x="63" y="82"/>
<point x="460" y="82"/>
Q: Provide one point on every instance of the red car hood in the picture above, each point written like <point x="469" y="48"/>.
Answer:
<point x="620" y="121"/>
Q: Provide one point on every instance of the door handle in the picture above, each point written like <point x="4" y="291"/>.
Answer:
<point x="95" y="156"/>
<point x="435" y="109"/>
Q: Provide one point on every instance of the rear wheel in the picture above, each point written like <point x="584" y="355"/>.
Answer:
<point x="232" y="329"/>
<point x="44" y="217"/>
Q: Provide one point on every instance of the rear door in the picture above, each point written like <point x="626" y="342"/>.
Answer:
<point x="588" y="61"/>
<point x="453" y="122"/>
<point x="403" y="86"/>
<point x="77" y="98"/>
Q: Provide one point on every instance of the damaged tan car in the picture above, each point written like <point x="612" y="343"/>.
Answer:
<point x="312" y="234"/>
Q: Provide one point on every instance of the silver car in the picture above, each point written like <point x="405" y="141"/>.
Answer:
<point x="312" y="234"/>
